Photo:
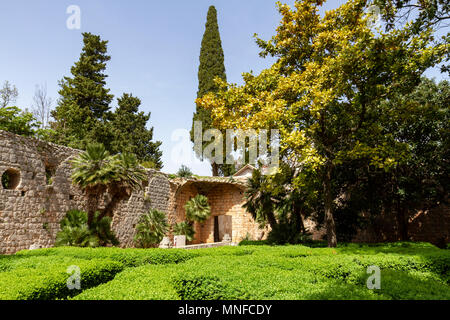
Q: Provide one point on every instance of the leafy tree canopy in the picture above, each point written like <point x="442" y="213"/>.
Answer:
<point x="325" y="91"/>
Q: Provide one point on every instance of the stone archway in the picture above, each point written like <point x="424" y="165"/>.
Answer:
<point x="227" y="214"/>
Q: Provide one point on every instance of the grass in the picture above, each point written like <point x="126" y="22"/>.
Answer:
<point x="256" y="272"/>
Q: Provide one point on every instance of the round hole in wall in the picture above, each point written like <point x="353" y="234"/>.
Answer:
<point x="11" y="179"/>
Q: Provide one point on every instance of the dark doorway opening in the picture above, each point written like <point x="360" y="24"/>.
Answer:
<point x="216" y="229"/>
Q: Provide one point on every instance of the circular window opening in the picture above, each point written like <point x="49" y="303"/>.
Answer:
<point x="10" y="179"/>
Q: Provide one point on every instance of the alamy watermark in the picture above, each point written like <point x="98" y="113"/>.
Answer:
<point x="231" y="146"/>
<point x="74" y="281"/>
<point x="374" y="280"/>
<point x="373" y="16"/>
<point x="73" y="22"/>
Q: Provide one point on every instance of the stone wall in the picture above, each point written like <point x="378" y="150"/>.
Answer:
<point x="431" y="225"/>
<point x="41" y="193"/>
<point x="155" y="195"/>
<point x="225" y="199"/>
<point x="31" y="210"/>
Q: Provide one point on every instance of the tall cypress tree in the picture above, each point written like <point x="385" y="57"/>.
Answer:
<point x="211" y="66"/>
<point x="83" y="107"/>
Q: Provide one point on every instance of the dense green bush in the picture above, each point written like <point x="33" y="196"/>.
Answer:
<point x="149" y="282"/>
<point x="151" y="229"/>
<point x="204" y="287"/>
<point x="283" y="233"/>
<point x="128" y="257"/>
<point x="184" y="228"/>
<point x="50" y="282"/>
<point x="408" y="271"/>
<point x="401" y="285"/>
<point x="76" y="232"/>
<point x="253" y="243"/>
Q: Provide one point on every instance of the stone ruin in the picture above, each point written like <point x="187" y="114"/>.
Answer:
<point x="39" y="192"/>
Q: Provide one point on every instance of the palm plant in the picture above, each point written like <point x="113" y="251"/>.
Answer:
<point x="75" y="231"/>
<point x="128" y="177"/>
<point x="259" y="200"/>
<point x="184" y="229"/>
<point x="197" y="209"/>
<point x="151" y="229"/>
<point x="96" y="172"/>
<point x="184" y="172"/>
<point x="101" y="228"/>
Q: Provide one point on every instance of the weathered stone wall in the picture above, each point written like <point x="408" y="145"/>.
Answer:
<point x="225" y="199"/>
<point x="155" y="195"/>
<point x="431" y="225"/>
<point x="40" y="193"/>
<point x="30" y="212"/>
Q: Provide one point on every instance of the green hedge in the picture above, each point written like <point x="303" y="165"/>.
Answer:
<point x="148" y="282"/>
<point x="128" y="257"/>
<point x="408" y="271"/>
<point x="201" y="286"/>
<point x="50" y="282"/>
<point x="253" y="243"/>
<point x="285" y="272"/>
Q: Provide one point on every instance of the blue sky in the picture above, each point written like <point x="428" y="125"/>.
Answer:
<point x="154" y="45"/>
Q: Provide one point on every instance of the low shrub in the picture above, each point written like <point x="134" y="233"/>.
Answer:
<point x="50" y="283"/>
<point x="149" y="282"/>
<point x="76" y="232"/>
<point x="151" y="229"/>
<point x="401" y="285"/>
<point x="283" y="233"/>
<point x="184" y="228"/>
<point x="253" y="243"/>
<point x="257" y="272"/>
<point x="204" y="287"/>
<point x="128" y="257"/>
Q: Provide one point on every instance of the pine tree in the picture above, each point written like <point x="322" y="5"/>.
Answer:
<point x="130" y="133"/>
<point x="212" y="65"/>
<point x="83" y="107"/>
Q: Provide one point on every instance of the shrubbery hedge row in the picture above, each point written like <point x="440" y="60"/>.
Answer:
<point x="408" y="271"/>
<point x="50" y="282"/>
<point x="128" y="257"/>
<point x="261" y="274"/>
<point x="148" y="282"/>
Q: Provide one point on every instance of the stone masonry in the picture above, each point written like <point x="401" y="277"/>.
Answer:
<point x="41" y="193"/>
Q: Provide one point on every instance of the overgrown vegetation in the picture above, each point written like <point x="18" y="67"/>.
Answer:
<point x="196" y="209"/>
<point x="184" y="228"/>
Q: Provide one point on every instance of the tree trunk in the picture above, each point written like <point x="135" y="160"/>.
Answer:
<point x="271" y="219"/>
<point x="328" y="202"/>
<point x="402" y="222"/>
<point x="94" y="194"/>
<point x="110" y="207"/>
<point x="92" y="205"/>
<point x="117" y="196"/>
<point x="215" y="169"/>
<point x="298" y="219"/>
